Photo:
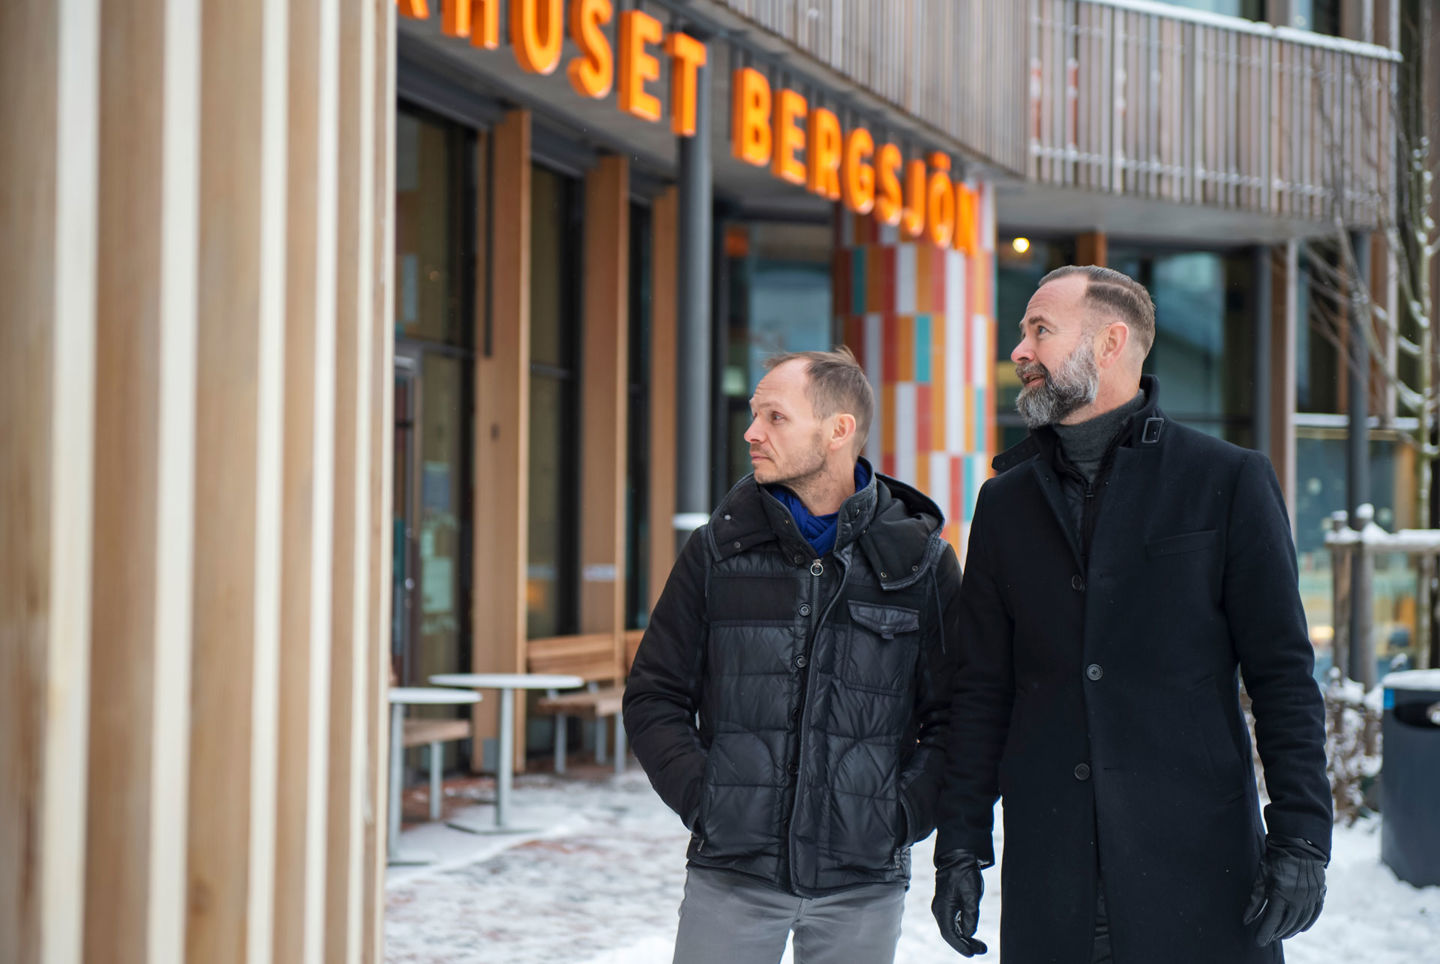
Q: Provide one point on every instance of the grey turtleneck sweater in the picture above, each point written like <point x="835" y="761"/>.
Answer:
<point x="1084" y="444"/>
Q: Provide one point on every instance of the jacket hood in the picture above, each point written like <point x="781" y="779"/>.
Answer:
<point x="1143" y="428"/>
<point x="896" y="526"/>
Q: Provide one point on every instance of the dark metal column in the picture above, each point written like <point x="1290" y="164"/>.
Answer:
<point x="692" y="402"/>
<point x="1357" y="467"/>
<point x="1264" y="311"/>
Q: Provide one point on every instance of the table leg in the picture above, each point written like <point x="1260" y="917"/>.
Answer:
<point x="507" y="757"/>
<point x="397" y="761"/>
<point x="503" y="772"/>
<point x="435" y="788"/>
<point x="397" y="778"/>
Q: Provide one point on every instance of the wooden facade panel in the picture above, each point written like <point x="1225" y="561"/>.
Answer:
<point x="350" y="600"/>
<point x="308" y="484"/>
<point x="171" y="180"/>
<point x="48" y="166"/>
<point x="605" y="386"/>
<point x="145" y="450"/>
<point x="502" y="412"/>
<point x="382" y="480"/>
<point x="237" y="462"/>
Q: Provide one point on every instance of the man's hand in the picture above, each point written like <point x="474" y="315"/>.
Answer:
<point x="1289" y="889"/>
<point x="957" y="901"/>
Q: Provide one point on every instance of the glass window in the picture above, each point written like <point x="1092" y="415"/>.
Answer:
<point x="1020" y="263"/>
<point x="1321" y="16"/>
<point x="637" y="467"/>
<point x="1320" y="455"/>
<point x="780" y="298"/>
<point x="1249" y="9"/>
<point x="432" y="228"/>
<point x="1204" y="335"/>
<point x="552" y="574"/>
<point x="1320" y="311"/>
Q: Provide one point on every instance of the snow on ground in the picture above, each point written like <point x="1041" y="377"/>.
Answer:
<point x="599" y="880"/>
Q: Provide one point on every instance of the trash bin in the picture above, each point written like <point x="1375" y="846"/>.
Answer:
<point x="1410" y="776"/>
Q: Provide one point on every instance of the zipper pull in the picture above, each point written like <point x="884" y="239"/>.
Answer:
<point x="816" y="568"/>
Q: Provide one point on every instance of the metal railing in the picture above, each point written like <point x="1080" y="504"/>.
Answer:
<point x="956" y="65"/>
<point x="1162" y="103"/>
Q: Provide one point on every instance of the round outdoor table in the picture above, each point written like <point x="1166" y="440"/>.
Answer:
<point x="401" y="697"/>
<point x="507" y="684"/>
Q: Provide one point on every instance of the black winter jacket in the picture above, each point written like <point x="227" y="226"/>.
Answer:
<point x="819" y="686"/>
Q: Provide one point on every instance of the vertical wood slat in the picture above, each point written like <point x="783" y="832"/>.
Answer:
<point x="307" y="484"/>
<point x="502" y="416"/>
<point x="48" y="158"/>
<point x="382" y="404"/>
<point x="664" y="228"/>
<point x="349" y="693"/>
<point x="144" y="450"/>
<point x="605" y="383"/>
<point x="1092" y="248"/>
<point x="117" y="182"/>
<point x="237" y="477"/>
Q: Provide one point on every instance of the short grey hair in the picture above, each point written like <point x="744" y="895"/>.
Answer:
<point x="1116" y="294"/>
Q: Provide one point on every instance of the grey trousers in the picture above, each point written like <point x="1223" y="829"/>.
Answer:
<point x="732" y="919"/>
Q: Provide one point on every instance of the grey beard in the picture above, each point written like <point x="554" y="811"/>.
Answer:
<point x="1073" y="385"/>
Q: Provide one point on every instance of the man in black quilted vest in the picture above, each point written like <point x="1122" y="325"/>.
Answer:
<point x="789" y="698"/>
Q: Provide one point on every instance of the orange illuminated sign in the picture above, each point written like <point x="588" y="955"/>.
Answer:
<point x="537" y="31"/>
<point x="770" y="128"/>
<point x="776" y="129"/>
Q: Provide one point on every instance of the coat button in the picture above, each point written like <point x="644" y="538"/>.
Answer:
<point x="737" y="543"/>
<point x="792" y="769"/>
<point x="801" y="661"/>
<point x="1082" y="771"/>
<point x="1077" y="583"/>
<point x="805" y="609"/>
<point x="795" y="713"/>
<point x="1094" y="671"/>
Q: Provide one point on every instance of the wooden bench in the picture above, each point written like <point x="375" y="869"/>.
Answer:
<point x="432" y="733"/>
<point x="593" y="704"/>
<point x="593" y="658"/>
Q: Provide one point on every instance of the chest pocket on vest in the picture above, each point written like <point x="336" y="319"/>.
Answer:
<point x="880" y="652"/>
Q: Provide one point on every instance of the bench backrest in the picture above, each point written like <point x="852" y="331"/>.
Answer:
<point x="590" y="656"/>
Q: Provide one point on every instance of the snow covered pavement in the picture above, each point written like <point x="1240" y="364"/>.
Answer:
<point x="600" y="882"/>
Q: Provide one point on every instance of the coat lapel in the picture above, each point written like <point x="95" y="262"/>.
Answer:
<point x="1050" y="485"/>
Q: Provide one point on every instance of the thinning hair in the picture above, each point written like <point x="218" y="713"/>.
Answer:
<point x="1113" y="293"/>
<point x="837" y="383"/>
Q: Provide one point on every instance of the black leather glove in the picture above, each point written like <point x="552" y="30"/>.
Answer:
<point x="1289" y="889"/>
<point x="957" y="901"/>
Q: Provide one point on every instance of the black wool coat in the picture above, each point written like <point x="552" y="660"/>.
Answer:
<point x="791" y="709"/>
<point x="1099" y="698"/>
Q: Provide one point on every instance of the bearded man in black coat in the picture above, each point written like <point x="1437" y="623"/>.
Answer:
<point x="1124" y="574"/>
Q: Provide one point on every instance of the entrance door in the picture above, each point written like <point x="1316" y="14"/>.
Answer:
<point x="432" y="484"/>
<point x="404" y="628"/>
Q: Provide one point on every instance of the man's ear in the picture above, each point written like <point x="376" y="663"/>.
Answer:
<point x="842" y="433"/>
<point x="1111" y="342"/>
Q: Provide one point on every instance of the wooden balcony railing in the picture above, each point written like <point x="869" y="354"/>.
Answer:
<point x="1160" y="102"/>
<point x="956" y="65"/>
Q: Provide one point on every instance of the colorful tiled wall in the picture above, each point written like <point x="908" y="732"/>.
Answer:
<point x="921" y="319"/>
